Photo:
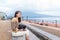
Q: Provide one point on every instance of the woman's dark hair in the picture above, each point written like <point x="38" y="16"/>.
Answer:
<point x="19" y="19"/>
<point x="16" y="13"/>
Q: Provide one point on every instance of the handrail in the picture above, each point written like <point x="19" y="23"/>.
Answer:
<point x="40" y="36"/>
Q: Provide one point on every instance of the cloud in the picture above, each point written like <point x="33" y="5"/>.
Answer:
<point x="49" y="7"/>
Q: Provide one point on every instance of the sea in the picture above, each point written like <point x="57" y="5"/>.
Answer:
<point x="45" y="19"/>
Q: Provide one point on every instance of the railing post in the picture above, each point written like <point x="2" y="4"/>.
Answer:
<point x="27" y="18"/>
<point x="56" y="22"/>
<point x="43" y="21"/>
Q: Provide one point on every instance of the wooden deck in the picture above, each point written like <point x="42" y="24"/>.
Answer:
<point x="5" y="27"/>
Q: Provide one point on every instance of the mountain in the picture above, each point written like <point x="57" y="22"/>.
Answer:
<point x="31" y="14"/>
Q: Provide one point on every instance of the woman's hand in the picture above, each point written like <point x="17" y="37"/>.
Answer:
<point x="16" y="30"/>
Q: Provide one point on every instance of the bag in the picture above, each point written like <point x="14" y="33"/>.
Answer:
<point x="21" y="26"/>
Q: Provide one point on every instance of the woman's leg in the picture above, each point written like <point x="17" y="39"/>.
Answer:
<point x="27" y="34"/>
<point x="27" y="37"/>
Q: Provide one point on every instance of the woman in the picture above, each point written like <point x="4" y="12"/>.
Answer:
<point x="15" y="21"/>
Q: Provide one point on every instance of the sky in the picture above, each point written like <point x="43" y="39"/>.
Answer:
<point x="48" y="7"/>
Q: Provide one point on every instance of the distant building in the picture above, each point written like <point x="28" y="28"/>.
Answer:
<point x="2" y="15"/>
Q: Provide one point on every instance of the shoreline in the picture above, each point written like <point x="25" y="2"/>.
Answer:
<point x="47" y="24"/>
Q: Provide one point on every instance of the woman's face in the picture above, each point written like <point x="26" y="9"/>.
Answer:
<point x="19" y="14"/>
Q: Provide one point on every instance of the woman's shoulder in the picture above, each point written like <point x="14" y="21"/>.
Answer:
<point x="14" y="20"/>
